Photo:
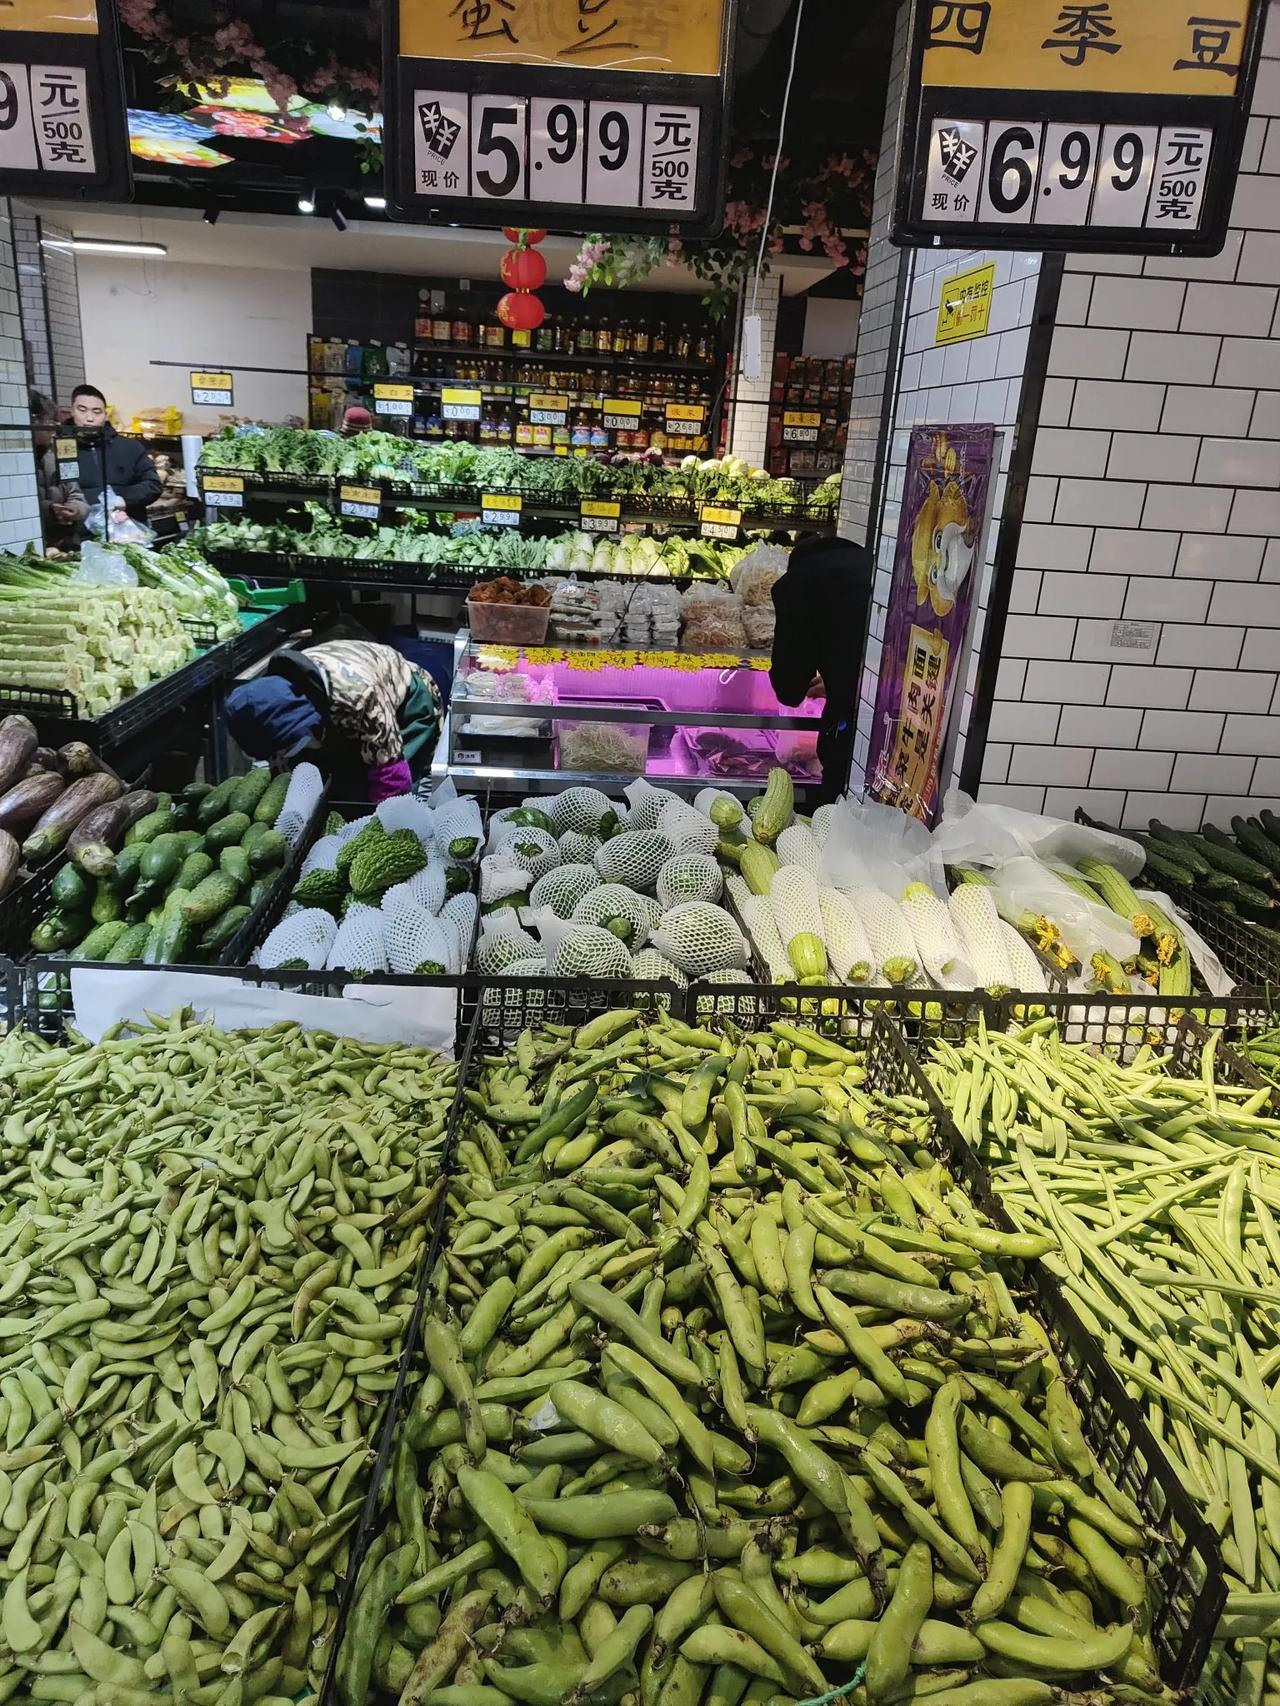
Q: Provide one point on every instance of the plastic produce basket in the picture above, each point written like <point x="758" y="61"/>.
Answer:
<point x="609" y="746"/>
<point x="1185" y="1567"/>
<point x="508" y="624"/>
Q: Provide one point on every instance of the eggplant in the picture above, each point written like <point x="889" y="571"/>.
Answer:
<point x="95" y="839"/>
<point x="18" y="742"/>
<point x="78" y="759"/>
<point x="10" y="855"/>
<point x="45" y="758"/>
<point x="24" y="803"/>
<point x="54" y="827"/>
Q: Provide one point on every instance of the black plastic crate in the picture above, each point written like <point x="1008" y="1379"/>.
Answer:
<point x="842" y="1009"/>
<point x="1185" y="1566"/>
<point x="1118" y="1024"/>
<point x="1247" y="955"/>
<point x="503" y="1007"/>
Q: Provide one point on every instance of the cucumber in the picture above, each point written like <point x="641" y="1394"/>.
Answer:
<point x="261" y="889"/>
<point x="1167" y="869"/>
<point x="1180" y="845"/>
<point x="99" y="943"/>
<point x="216" y="803"/>
<point x="254" y="834"/>
<point x="108" y="906"/>
<point x="71" y="889"/>
<point x="1247" y="895"/>
<point x="170" y="940"/>
<point x="269" y="850"/>
<point x="250" y="789"/>
<point x="234" y="863"/>
<point x="143" y="898"/>
<point x="147" y="828"/>
<point x="1231" y="860"/>
<point x="161" y="860"/>
<point x="126" y="873"/>
<point x="59" y="929"/>
<point x="130" y="945"/>
<point x="268" y="807"/>
<point x="210" y="897"/>
<point x="1255" y="841"/>
<point x="1270" y="822"/>
<point x="226" y="832"/>
<point x="218" y="935"/>
<point x="195" y="868"/>
<point x="197" y="791"/>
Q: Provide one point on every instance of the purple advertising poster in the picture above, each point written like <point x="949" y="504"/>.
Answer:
<point x="936" y="568"/>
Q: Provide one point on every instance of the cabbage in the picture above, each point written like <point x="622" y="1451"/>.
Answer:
<point x="558" y="554"/>
<point x="603" y="558"/>
<point x="580" y="563"/>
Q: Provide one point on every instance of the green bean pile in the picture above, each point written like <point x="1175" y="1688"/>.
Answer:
<point x="1263" y="1052"/>
<point x="726" y="1400"/>
<point x="209" y="1248"/>
<point x="1163" y="1195"/>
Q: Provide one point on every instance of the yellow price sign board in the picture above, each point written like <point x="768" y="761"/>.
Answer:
<point x="800" y="426"/>
<point x="393" y="399"/>
<point x="600" y="515"/>
<point x="501" y="509"/>
<point x="52" y="17"/>
<point x="690" y="412"/>
<point x="223" y="491"/>
<point x="621" y="413"/>
<point x="964" y="305"/>
<point x="720" y="523"/>
<point x="459" y="403"/>
<point x="660" y="36"/>
<point x="362" y="503"/>
<point x="214" y="389"/>
<point x="547" y="408"/>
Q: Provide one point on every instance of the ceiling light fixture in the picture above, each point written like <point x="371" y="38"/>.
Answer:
<point x="108" y="246"/>
<point x="376" y="202"/>
<point x="339" y="218"/>
<point x="336" y="112"/>
<point x="307" y="202"/>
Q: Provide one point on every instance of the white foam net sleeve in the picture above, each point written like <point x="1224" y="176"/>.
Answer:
<point x="502" y="940"/>
<point x="687" y="829"/>
<point x="498" y="880"/>
<point x="463" y="908"/>
<point x="414" y="940"/>
<point x="349" y="830"/>
<point x="646" y="803"/>
<point x="306" y="789"/>
<point x="407" y="811"/>
<point x="459" y="830"/>
<point x="360" y="944"/>
<point x="305" y="935"/>
<point x="563" y="888"/>
<point x="323" y="855"/>
<point x="427" y="887"/>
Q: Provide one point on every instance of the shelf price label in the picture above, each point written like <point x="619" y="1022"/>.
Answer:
<point x="214" y="389"/>
<point x="224" y="491"/>
<point x="460" y="404"/>
<point x="621" y="414"/>
<point x="393" y="400"/>
<point x="501" y="509"/>
<point x="67" y="451"/>
<point x="684" y="420"/>
<point x="800" y="426"/>
<point x="466" y="755"/>
<point x="600" y="515"/>
<point x="720" y="523"/>
<point x="546" y="409"/>
<point x="362" y="503"/>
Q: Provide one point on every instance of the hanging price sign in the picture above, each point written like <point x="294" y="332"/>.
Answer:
<point x="460" y="405"/>
<point x="224" y="491"/>
<point x="600" y="515"/>
<point x="362" y="503"/>
<point x="621" y="413"/>
<point x="800" y="426"/>
<point x="63" y="127"/>
<point x="548" y="410"/>
<point x="501" y="509"/>
<point x="720" y="523"/>
<point x="684" y="420"/>
<point x="213" y="389"/>
<point x="393" y="400"/>
<point x="67" y="452"/>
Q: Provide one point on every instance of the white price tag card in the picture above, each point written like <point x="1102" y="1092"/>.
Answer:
<point x="60" y="102"/>
<point x="362" y="503"/>
<point x="1182" y="168"/>
<point x="501" y="509"/>
<point x="800" y="426"/>
<point x="1068" y="165"/>
<point x="670" y="157"/>
<point x="546" y="409"/>
<point x="499" y="146"/>
<point x="17" y="131"/>
<point x="718" y="523"/>
<point x="615" y="144"/>
<point x="954" y="175"/>
<point x="393" y="399"/>
<point x="600" y="515"/>
<point x="557" y="149"/>
<point x="621" y="413"/>
<point x="214" y="389"/>
<point x="224" y="491"/>
<point x="460" y="405"/>
<point x="1125" y="166"/>
<point x="1009" y="178"/>
<point x="441" y="132"/>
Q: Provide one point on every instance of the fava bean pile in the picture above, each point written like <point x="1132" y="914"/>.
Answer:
<point x="727" y="1399"/>
<point x="209" y="1248"/>
<point x="1163" y="1195"/>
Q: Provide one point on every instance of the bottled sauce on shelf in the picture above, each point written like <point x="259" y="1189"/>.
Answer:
<point x="640" y="339"/>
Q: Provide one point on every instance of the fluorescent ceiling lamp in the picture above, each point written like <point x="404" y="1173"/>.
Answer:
<point x="337" y="113"/>
<point x="307" y="203"/>
<point x="106" y="246"/>
<point x="377" y="202"/>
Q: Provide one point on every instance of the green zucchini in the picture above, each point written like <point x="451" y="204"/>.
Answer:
<point x="161" y="860"/>
<point x="170" y="940"/>
<point x="234" y="862"/>
<point x="147" y="828"/>
<point x="269" y="850"/>
<point x="126" y="873"/>
<point x="195" y="868"/>
<point x="210" y="897"/>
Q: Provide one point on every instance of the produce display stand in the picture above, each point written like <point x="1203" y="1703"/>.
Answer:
<point x="395" y="575"/>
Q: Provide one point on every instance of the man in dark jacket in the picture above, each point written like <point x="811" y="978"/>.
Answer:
<point x="130" y="472"/>
<point x="821" y="606"/>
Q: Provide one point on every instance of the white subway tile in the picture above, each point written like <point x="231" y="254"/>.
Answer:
<point x="1238" y="462"/>
<point x="1259" y="650"/>
<point x="1099" y="725"/>
<point x="1103" y="503"/>
<point x="1178" y="811"/>
<point x="1250" y="361"/>
<point x="931" y="367"/>
<point x="1181" y="731"/>
<point x="1104" y="263"/>
<point x="1073" y="300"/>
<point x="1104" y="804"/>
<point x="1011" y="362"/>
<point x="1036" y="725"/>
<point x="1257" y="735"/>
<point x="1155" y="303"/>
<point x="1266" y="782"/>
<point x="1232" y="690"/>
<point x="1088" y="353"/>
<point x="955" y="363"/>
<point x="1152" y="456"/>
<point x="1038" y="636"/>
<point x="1055" y="403"/>
<point x="995" y="762"/>
<point x="1255" y="206"/>
<point x="1242" y="310"/>
<point x="1065" y="765"/>
<point x="1009" y="678"/>
<point x="1190" y="509"/>
<point x="1118" y="769"/>
<point x="1260" y="258"/>
<point x="1221" y="808"/>
<point x="1256" y="512"/>
<point x="1219" y="556"/>
<point x="1022" y="799"/>
<point x="1201" y="647"/>
<point x="1006" y="309"/>
<point x="982" y="359"/>
<point x="1042" y="494"/>
<point x="1133" y="551"/>
<point x="910" y="372"/>
<point x="1201" y="772"/>
<point x="1070" y="451"/>
<point x="1025" y="592"/>
<point x="1265" y="421"/>
<point x="1103" y="640"/>
<point x="1271" y="561"/>
<point x="1180" y="357"/>
<point x="1116" y="403"/>
<point x="1065" y="683"/>
<point x="1167" y="600"/>
<point x="1082" y="595"/>
<point x="1221" y="266"/>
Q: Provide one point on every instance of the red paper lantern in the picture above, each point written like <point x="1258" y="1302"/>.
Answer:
<point x="523" y="269"/>
<point x="519" y="234"/>
<point x="521" y="311"/>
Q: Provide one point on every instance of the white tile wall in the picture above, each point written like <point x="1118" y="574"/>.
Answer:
<point x="749" y="417"/>
<point x="19" y="503"/>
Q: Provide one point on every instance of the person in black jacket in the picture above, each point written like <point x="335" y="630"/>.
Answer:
<point x="821" y="606"/>
<point x="130" y="472"/>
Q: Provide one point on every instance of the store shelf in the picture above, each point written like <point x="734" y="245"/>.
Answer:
<point x="410" y="576"/>
<point x="568" y="358"/>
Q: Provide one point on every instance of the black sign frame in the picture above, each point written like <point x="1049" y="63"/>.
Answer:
<point x="921" y="105"/>
<point x="402" y="75"/>
<point x="101" y="59"/>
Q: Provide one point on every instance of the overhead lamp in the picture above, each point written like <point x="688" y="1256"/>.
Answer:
<point x="212" y="215"/>
<point x="337" y="112"/>
<point x="339" y="218"/>
<point x="307" y="202"/>
<point x="106" y="246"/>
<point x="376" y="202"/>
